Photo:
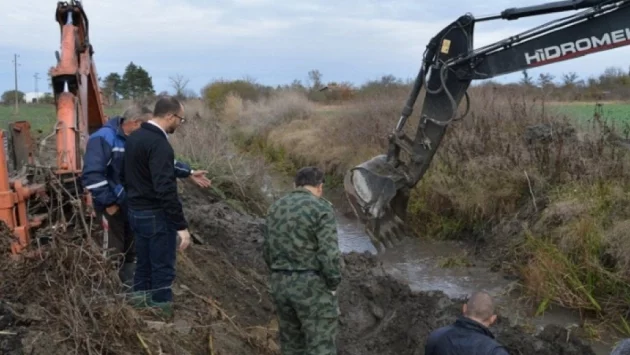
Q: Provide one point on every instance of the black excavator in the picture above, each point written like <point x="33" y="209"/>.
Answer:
<point x="379" y="189"/>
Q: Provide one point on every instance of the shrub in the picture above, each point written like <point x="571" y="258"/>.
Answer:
<point x="216" y="93"/>
<point x="206" y="144"/>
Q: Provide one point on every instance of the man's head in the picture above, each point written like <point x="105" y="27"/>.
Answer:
<point x="480" y="308"/>
<point x="623" y="348"/>
<point x="169" y="113"/>
<point x="133" y="117"/>
<point x="310" y="178"/>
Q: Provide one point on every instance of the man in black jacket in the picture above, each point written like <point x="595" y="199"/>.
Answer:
<point x="469" y="335"/>
<point x="154" y="209"/>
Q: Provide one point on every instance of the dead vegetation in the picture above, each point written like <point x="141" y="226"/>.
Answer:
<point x="67" y="299"/>
<point x="498" y="178"/>
<point x="204" y="142"/>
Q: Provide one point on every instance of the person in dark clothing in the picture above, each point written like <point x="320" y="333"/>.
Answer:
<point x="469" y="335"/>
<point x="154" y="209"/>
<point x="101" y="177"/>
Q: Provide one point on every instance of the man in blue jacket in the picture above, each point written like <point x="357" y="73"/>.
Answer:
<point x="102" y="166"/>
<point x="469" y="335"/>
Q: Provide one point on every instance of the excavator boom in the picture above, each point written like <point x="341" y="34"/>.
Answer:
<point x="379" y="189"/>
<point x="79" y="108"/>
<point x="75" y="83"/>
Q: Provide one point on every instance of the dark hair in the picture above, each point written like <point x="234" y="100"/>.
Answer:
<point x="166" y="105"/>
<point x="309" y="176"/>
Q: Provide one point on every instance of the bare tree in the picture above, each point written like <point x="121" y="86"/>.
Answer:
<point x="315" y="78"/>
<point x="569" y="79"/>
<point x="179" y="83"/>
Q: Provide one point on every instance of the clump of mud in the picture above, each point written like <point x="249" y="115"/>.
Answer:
<point x="10" y="336"/>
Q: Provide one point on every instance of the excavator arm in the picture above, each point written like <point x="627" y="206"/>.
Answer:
<point x="79" y="108"/>
<point x="379" y="189"/>
<point x="75" y="83"/>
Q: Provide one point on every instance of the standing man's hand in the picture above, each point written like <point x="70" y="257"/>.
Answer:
<point x="111" y="210"/>
<point x="184" y="237"/>
<point x="199" y="178"/>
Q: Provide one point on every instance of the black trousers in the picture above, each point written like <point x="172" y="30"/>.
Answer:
<point x="118" y="239"/>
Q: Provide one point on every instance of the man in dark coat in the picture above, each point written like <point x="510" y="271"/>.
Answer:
<point x="469" y="335"/>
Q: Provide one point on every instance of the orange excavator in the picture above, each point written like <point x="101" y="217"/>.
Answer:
<point x="79" y="108"/>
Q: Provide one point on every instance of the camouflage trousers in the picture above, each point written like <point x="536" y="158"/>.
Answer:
<point x="308" y="314"/>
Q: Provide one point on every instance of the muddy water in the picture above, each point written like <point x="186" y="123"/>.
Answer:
<point x="446" y="266"/>
<point x="439" y="265"/>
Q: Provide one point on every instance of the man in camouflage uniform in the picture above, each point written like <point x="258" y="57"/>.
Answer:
<point x="303" y="256"/>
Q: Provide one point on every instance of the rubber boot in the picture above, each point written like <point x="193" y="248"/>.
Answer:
<point x="164" y="309"/>
<point x="126" y="274"/>
<point x="139" y="299"/>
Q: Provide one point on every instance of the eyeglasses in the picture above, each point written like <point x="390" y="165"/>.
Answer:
<point x="181" y="119"/>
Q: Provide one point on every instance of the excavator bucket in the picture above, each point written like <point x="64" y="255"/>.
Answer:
<point x="378" y="195"/>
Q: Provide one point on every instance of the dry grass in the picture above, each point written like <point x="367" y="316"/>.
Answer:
<point x="204" y="142"/>
<point x="66" y="292"/>
<point x="509" y="160"/>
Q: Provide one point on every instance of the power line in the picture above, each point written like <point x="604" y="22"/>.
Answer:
<point x="15" y="65"/>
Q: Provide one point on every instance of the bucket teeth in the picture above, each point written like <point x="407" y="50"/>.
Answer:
<point x="371" y="189"/>
<point x="386" y="232"/>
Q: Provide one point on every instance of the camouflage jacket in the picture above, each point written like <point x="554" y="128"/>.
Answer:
<point x="301" y="234"/>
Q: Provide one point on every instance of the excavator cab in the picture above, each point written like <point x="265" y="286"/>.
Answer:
<point x="379" y="188"/>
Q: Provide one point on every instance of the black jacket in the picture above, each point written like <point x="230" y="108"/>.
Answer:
<point x="149" y="174"/>
<point x="464" y="337"/>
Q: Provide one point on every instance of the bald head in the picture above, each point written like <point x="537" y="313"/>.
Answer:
<point x="480" y="307"/>
<point x="623" y="348"/>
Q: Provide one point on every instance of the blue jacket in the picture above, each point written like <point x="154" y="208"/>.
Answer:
<point x="464" y="337"/>
<point x="103" y="162"/>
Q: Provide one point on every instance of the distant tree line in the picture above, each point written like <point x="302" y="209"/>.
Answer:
<point x="612" y="84"/>
<point x="136" y="84"/>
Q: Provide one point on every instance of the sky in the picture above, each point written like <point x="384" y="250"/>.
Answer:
<point x="272" y="41"/>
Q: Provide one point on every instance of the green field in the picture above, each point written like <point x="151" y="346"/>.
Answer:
<point x="611" y="112"/>
<point x="42" y="117"/>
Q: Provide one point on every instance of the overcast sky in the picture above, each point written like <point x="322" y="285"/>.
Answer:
<point x="273" y="41"/>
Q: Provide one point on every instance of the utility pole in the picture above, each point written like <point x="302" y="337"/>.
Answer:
<point x="36" y="76"/>
<point x="15" y="65"/>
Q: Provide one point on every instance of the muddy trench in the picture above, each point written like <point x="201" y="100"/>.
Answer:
<point x="445" y="266"/>
<point x="389" y="302"/>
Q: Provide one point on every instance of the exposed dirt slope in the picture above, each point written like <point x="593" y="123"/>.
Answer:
<point x="222" y="302"/>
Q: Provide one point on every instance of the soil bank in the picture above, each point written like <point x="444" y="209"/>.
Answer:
<point x="223" y="305"/>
